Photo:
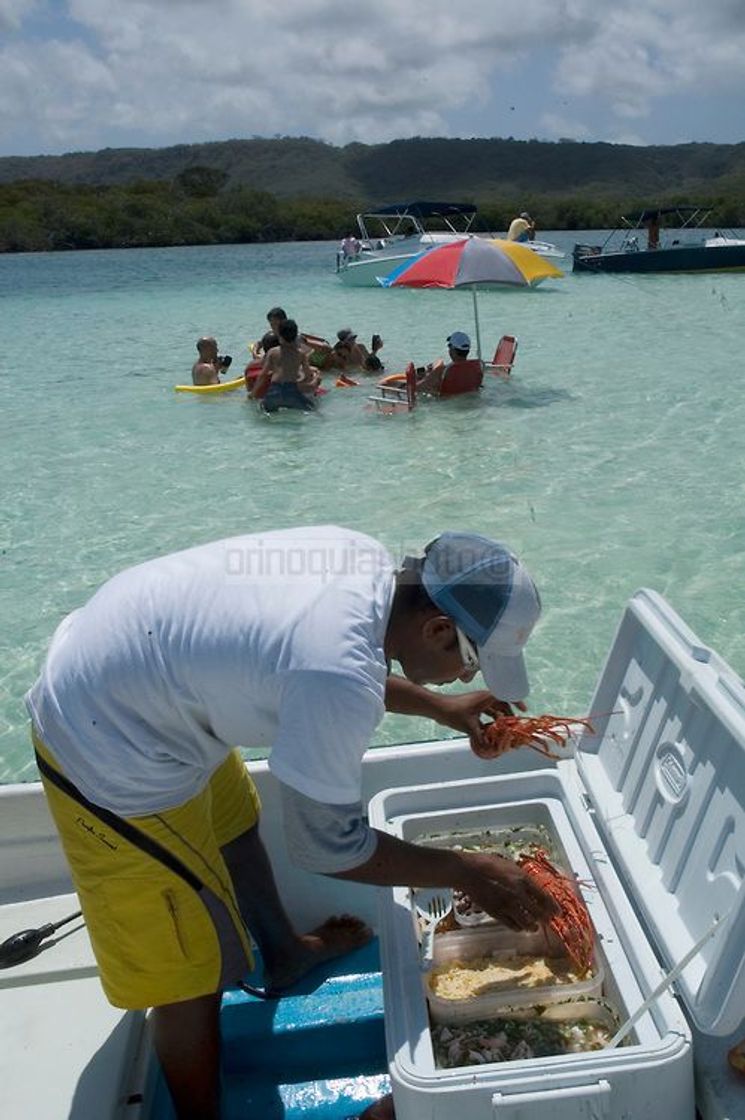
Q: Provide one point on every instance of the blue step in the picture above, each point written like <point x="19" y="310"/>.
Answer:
<point x="336" y="1010"/>
<point x="325" y="1099"/>
<point x="318" y="1053"/>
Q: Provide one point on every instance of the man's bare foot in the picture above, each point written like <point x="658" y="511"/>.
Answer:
<point x="335" y="937"/>
<point x="380" y="1110"/>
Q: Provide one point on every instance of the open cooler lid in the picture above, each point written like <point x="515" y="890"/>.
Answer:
<point x="666" y="776"/>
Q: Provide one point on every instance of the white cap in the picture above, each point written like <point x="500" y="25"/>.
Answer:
<point x="487" y="592"/>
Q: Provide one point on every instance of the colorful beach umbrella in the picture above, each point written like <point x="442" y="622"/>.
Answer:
<point x="472" y="262"/>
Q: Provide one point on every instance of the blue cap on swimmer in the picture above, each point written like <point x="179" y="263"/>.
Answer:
<point x="459" y="340"/>
<point x="486" y="591"/>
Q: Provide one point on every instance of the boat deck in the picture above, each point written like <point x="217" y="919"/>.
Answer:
<point x="65" y="1049"/>
<point x="318" y="1054"/>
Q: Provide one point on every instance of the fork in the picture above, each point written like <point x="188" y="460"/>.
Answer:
<point x="437" y="907"/>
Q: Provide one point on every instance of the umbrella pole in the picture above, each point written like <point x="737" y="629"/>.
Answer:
<point x="476" y="317"/>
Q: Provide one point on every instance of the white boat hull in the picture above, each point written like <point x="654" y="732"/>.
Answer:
<point x="368" y="269"/>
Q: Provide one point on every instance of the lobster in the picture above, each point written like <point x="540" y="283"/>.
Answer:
<point x="538" y="732"/>
<point x="572" y="924"/>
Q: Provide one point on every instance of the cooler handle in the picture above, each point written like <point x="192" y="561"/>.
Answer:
<point x="591" y="1101"/>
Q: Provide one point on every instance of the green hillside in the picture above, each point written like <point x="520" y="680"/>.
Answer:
<point x="288" y="188"/>
<point x="478" y="169"/>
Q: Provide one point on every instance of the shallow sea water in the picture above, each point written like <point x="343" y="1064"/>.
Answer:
<point x="612" y="460"/>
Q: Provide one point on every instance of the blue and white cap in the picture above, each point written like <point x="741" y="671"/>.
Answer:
<point x="459" y="340"/>
<point x="482" y="586"/>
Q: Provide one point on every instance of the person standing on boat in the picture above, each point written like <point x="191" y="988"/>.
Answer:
<point x="521" y="228"/>
<point x="208" y="367"/>
<point x="283" y="639"/>
<point x="350" y="247"/>
<point x="653" y="231"/>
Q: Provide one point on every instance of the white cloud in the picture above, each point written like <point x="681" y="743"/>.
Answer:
<point x="13" y="12"/>
<point x="646" y="49"/>
<point x="168" y="71"/>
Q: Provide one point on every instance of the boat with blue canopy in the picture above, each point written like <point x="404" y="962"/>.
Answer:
<point x="639" y="244"/>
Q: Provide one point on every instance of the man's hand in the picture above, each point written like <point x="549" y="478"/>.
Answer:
<point x="497" y="885"/>
<point x="501" y="888"/>
<point x="463" y="712"/>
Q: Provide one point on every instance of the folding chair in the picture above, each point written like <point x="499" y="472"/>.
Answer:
<point x="465" y="376"/>
<point x="396" y="393"/>
<point x="504" y="356"/>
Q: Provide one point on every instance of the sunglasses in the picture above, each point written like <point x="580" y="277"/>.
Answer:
<point x="468" y="652"/>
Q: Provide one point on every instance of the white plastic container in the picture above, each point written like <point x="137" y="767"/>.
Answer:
<point x="597" y="1014"/>
<point x="501" y="944"/>
<point x="650" y="815"/>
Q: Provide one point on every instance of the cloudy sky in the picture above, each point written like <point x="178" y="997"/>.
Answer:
<point x="83" y="74"/>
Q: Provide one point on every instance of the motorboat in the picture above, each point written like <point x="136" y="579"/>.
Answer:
<point x="392" y="235"/>
<point x="648" y="811"/>
<point x="639" y="244"/>
<point x="544" y="249"/>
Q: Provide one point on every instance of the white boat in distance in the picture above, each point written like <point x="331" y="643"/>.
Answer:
<point x="392" y="235"/>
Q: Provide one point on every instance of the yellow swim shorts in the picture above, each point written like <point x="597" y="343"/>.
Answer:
<point x="155" y="892"/>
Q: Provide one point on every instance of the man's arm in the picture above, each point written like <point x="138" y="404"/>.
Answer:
<point x="432" y="380"/>
<point x="461" y="711"/>
<point x="337" y="841"/>
<point x="497" y="885"/>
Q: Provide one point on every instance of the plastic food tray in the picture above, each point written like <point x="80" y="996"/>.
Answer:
<point x="506" y="841"/>
<point x="600" y="1013"/>
<point x="464" y="945"/>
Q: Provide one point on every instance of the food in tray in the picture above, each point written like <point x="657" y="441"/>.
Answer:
<point x="512" y="840"/>
<point x="512" y="1040"/>
<point x="469" y="979"/>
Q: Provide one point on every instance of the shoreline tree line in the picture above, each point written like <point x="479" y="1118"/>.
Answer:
<point x="298" y="189"/>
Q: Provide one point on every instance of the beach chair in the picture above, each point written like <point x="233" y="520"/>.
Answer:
<point x="397" y="392"/>
<point x="504" y="356"/>
<point x="462" y="377"/>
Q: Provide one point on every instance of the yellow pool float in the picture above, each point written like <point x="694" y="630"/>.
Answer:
<point x="223" y="387"/>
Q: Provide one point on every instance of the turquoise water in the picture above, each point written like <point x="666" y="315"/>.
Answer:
<point x="613" y="460"/>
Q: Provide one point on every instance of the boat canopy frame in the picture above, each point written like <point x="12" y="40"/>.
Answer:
<point x="690" y="216"/>
<point x="407" y="219"/>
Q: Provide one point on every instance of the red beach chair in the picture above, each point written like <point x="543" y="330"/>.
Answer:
<point x="396" y="392"/>
<point x="462" y="377"/>
<point x="504" y="356"/>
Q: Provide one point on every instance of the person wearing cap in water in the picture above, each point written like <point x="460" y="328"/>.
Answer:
<point x="279" y="639"/>
<point x="351" y="354"/>
<point x="521" y="228"/>
<point x="429" y="378"/>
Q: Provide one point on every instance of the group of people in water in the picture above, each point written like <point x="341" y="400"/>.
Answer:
<point x="286" y="366"/>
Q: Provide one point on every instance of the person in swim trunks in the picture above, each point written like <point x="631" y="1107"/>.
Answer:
<point x="282" y="639"/>
<point x="292" y="380"/>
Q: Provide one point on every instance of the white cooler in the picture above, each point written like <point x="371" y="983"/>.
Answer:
<point x="650" y="814"/>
